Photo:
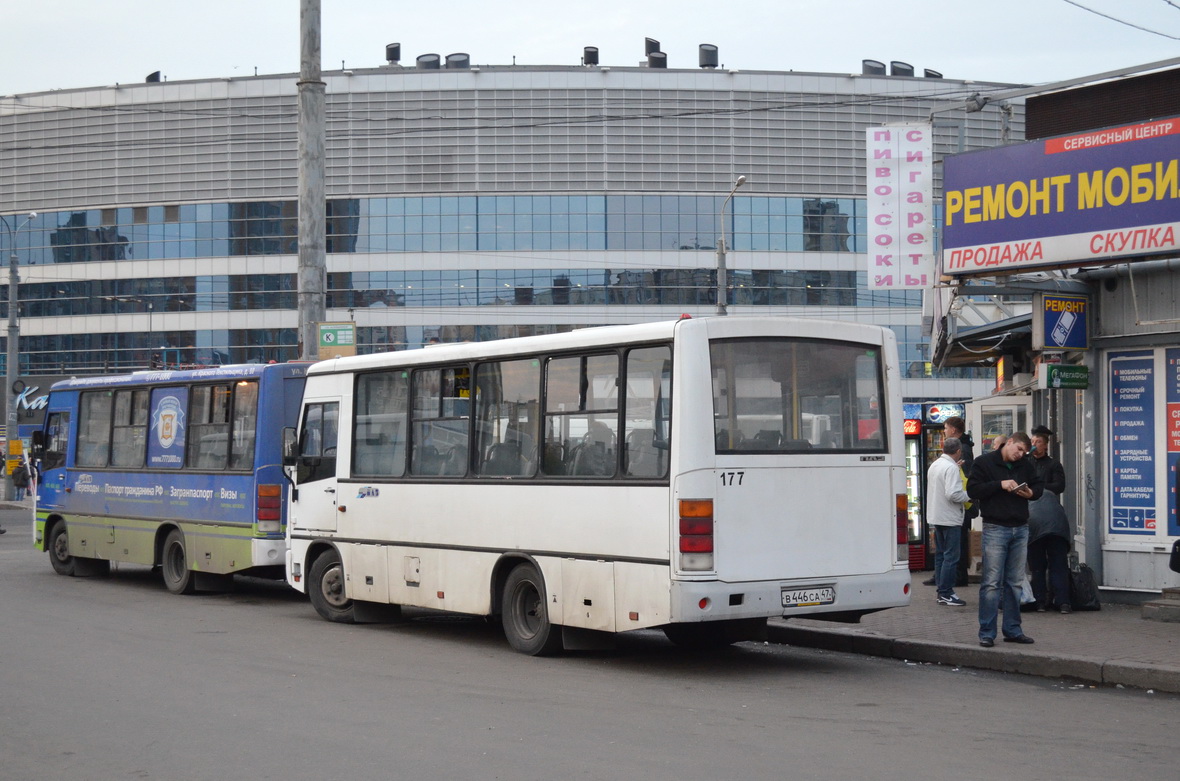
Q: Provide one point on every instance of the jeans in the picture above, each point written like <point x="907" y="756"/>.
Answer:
<point x="1005" y="553"/>
<point x="946" y="558"/>
<point x="1052" y="553"/>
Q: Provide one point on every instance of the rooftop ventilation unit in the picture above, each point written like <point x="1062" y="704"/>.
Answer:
<point x="657" y="60"/>
<point x="898" y="68"/>
<point x="393" y="53"/>
<point x="590" y="55"/>
<point x="428" y="62"/>
<point x="707" y="55"/>
<point x="872" y="68"/>
<point x="153" y="77"/>
<point x="932" y="74"/>
<point x="650" y="46"/>
<point x="458" y="61"/>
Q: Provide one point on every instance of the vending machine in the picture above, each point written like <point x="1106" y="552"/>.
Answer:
<point x="923" y="445"/>
<point x="915" y="479"/>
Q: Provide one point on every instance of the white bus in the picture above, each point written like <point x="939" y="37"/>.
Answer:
<point x="667" y="475"/>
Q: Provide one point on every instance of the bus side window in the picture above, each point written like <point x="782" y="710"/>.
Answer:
<point x="582" y="415"/>
<point x="506" y="422"/>
<point x="57" y="438"/>
<point x="649" y="386"/>
<point x="317" y="442"/>
<point x="379" y="424"/>
<point x="441" y="400"/>
<point x="94" y="429"/>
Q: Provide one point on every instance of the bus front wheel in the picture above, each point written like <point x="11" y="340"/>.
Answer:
<point x="526" y="615"/>
<point x="59" y="550"/>
<point x="326" y="589"/>
<point x="174" y="564"/>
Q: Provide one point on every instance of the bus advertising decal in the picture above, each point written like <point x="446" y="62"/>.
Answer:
<point x="207" y="498"/>
<point x="168" y="425"/>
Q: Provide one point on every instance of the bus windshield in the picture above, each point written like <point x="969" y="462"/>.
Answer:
<point x="785" y="395"/>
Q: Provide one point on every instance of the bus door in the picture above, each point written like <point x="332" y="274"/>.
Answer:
<point x="315" y="474"/>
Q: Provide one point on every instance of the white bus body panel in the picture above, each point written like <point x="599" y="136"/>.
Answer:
<point x="609" y="553"/>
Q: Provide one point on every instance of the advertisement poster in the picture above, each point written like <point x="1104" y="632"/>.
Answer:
<point x="1132" y="443"/>
<point x="167" y="426"/>
<point x="1069" y="200"/>
<point x="1173" y="434"/>
<point x="900" y="179"/>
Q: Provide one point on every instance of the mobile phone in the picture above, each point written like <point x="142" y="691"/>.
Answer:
<point x="1065" y="323"/>
<point x="1022" y="485"/>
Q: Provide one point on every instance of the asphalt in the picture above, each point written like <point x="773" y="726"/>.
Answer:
<point x="1111" y="646"/>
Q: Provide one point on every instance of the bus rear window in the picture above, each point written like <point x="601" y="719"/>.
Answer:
<point x="793" y="395"/>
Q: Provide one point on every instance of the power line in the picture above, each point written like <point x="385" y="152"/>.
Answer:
<point x="1123" y="21"/>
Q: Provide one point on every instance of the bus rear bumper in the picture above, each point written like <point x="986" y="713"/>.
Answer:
<point x="849" y="595"/>
<point x="268" y="553"/>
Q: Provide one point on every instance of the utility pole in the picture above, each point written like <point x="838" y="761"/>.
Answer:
<point x="12" y="368"/>
<point x="722" y="271"/>
<point x="313" y="274"/>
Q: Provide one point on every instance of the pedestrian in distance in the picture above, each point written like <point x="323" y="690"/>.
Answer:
<point x="957" y="428"/>
<point x="1003" y="482"/>
<point x="947" y="498"/>
<point x="1048" y="531"/>
<point x="20" y="481"/>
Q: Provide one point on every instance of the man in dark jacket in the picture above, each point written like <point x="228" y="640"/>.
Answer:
<point x="1050" y="469"/>
<point x="1003" y="482"/>
<point x="1048" y="529"/>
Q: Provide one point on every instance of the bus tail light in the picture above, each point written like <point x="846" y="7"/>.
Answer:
<point x="270" y="509"/>
<point x="696" y="534"/>
<point x="903" y="527"/>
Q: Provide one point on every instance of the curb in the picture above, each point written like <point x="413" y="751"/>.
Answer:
<point x="999" y="659"/>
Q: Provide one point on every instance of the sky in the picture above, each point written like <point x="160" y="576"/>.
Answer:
<point x="65" y="44"/>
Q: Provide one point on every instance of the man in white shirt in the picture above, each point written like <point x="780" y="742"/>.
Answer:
<point x="946" y="499"/>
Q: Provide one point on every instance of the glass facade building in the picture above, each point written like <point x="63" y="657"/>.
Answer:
<point x="462" y="204"/>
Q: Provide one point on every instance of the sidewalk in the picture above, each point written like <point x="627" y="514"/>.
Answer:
<point x="1110" y="646"/>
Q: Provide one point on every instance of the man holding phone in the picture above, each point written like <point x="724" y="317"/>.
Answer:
<point x="1003" y="482"/>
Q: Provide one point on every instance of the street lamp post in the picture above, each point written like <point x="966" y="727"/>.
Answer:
<point x="10" y="375"/>
<point x="722" y="277"/>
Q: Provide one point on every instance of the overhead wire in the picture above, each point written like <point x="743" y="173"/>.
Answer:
<point x="1123" y="21"/>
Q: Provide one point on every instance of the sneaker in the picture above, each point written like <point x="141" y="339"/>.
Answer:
<point x="953" y="599"/>
<point x="1065" y="609"/>
<point x="1022" y="639"/>
<point x="928" y="582"/>
<point x="3" y="531"/>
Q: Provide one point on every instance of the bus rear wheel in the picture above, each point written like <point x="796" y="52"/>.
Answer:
<point x="174" y="564"/>
<point x="58" y="546"/>
<point x="326" y="589"/>
<point x="525" y="614"/>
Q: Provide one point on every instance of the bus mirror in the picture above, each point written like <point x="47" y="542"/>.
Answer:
<point x="290" y="447"/>
<point x="38" y="444"/>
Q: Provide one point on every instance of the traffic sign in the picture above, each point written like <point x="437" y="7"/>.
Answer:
<point x="337" y="339"/>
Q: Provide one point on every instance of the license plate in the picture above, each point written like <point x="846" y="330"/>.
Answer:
<point x="809" y="597"/>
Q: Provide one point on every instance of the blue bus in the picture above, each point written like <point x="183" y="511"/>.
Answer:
<point x="180" y="470"/>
